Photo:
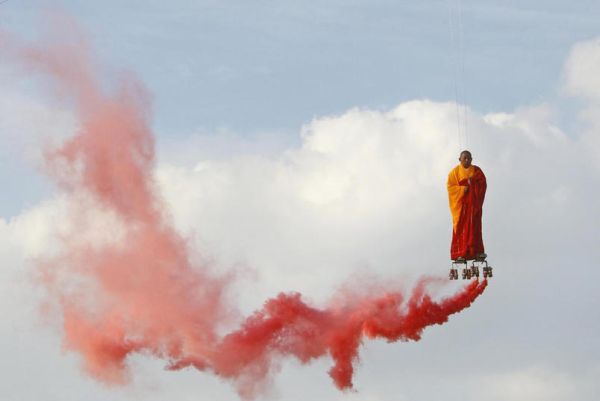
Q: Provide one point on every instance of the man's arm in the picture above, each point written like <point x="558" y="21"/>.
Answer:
<point x="456" y="188"/>
<point x="456" y="193"/>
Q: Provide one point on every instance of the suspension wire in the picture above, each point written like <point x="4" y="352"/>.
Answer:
<point x="457" y="38"/>
<point x="461" y="43"/>
<point x="453" y="41"/>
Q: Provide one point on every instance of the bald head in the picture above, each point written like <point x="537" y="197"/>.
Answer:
<point x="465" y="158"/>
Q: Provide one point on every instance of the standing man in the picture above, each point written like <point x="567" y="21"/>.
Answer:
<point x="466" y="192"/>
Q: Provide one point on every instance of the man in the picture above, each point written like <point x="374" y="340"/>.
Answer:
<point x="466" y="192"/>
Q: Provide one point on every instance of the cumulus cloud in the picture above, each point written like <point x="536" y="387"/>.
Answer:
<point x="581" y="70"/>
<point x="366" y="189"/>
<point x="581" y="81"/>
<point x="365" y="192"/>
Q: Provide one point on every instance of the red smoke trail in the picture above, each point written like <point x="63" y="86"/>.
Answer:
<point x="142" y="292"/>
<point x="287" y="326"/>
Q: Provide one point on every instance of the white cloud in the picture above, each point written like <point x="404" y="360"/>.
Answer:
<point x="365" y="192"/>
<point x="366" y="189"/>
<point x="581" y="80"/>
<point x="581" y="70"/>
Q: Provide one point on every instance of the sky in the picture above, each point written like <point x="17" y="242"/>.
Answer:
<point x="305" y="145"/>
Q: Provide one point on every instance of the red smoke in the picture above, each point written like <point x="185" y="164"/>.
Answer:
<point x="287" y="326"/>
<point x="143" y="293"/>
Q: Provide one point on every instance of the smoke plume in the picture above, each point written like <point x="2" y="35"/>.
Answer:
<point x="140" y="290"/>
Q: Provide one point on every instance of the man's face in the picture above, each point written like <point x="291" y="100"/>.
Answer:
<point x="465" y="160"/>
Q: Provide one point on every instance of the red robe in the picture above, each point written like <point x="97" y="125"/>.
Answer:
<point x="466" y="208"/>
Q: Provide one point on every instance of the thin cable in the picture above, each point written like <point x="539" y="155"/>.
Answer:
<point x="453" y="38"/>
<point x="463" y="73"/>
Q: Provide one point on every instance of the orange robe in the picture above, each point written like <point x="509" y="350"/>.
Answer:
<point x="466" y="210"/>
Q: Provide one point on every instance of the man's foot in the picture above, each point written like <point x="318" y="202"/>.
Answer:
<point x="481" y="256"/>
<point x="460" y="260"/>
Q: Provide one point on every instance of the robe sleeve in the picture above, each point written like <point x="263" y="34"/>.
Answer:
<point x="455" y="195"/>
<point x="479" y="184"/>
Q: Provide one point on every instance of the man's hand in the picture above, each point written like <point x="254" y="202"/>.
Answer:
<point x="467" y="186"/>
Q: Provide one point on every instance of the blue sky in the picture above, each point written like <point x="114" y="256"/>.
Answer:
<point x="285" y="130"/>
<point x="271" y="66"/>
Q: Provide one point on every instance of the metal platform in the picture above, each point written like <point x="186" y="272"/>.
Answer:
<point x="477" y="266"/>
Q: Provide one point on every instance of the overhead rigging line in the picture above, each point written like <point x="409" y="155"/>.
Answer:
<point x="457" y="37"/>
<point x="461" y="42"/>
